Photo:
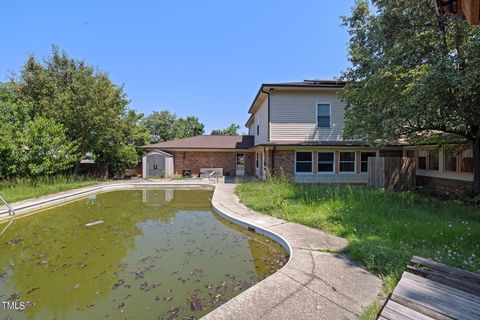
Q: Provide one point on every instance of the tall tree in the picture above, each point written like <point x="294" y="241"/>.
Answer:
<point x="231" y="130"/>
<point x="160" y="125"/>
<point x="412" y="74"/>
<point x="188" y="127"/>
<point x="91" y="108"/>
<point x="165" y="126"/>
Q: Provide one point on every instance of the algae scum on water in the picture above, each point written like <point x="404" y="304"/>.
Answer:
<point x="159" y="254"/>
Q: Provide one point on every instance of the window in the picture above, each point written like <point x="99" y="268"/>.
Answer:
<point x="466" y="161"/>
<point x="433" y="159"/>
<point x="258" y="125"/>
<point x="347" y="161"/>
<point x="256" y="160"/>
<point x="323" y="115"/>
<point x="303" y="161"/>
<point x="364" y="160"/>
<point x="326" y="162"/>
<point x="450" y="159"/>
<point x="422" y="160"/>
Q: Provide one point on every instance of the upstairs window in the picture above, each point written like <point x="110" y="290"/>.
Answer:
<point x="258" y="125"/>
<point x="326" y="162"/>
<point x="323" y="115"/>
<point x="347" y="161"/>
<point x="303" y="162"/>
<point x="364" y="160"/>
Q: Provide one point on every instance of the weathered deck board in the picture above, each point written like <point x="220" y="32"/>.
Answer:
<point x="394" y="310"/>
<point x="430" y="290"/>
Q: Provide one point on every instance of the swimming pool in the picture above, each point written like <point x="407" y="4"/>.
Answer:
<point x="136" y="254"/>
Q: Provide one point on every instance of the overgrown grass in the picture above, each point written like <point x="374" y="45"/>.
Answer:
<point x="21" y="189"/>
<point x="384" y="229"/>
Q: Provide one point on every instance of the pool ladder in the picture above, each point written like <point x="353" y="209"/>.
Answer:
<point x="11" y="212"/>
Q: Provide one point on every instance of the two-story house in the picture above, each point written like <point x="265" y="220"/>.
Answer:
<point x="295" y="129"/>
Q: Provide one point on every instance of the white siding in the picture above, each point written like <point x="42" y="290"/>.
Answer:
<point x="262" y="114"/>
<point x="251" y="129"/>
<point x="294" y="116"/>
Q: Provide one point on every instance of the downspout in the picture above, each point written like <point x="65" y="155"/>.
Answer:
<point x="268" y="112"/>
<point x="263" y="164"/>
<point x="273" y="159"/>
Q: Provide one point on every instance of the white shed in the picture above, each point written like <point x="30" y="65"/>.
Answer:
<point x="157" y="164"/>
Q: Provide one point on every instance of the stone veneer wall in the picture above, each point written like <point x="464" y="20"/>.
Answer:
<point x="445" y="186"/>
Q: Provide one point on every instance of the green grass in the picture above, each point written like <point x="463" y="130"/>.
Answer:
<point x="384" y="229"/>
<point x="21" y="189"/>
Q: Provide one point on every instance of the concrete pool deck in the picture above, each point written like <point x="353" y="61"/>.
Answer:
<point x="316" y="283"/>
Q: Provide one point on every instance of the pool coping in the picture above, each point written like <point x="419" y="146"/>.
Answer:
<point x="263" y="293"/>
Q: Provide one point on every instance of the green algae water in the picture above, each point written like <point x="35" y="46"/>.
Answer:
<point x="159" y="254"/>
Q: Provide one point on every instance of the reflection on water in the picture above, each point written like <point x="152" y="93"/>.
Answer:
<point x="160" y="253"/>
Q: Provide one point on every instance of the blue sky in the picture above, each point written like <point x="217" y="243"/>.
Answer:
<point x="203" y="58"/>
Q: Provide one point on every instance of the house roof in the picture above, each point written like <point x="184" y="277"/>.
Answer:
<point x="309" y="83"/>
<point x="303" y="85"/>
<point x="205" y="142"/>
<point x="332" y="143"/>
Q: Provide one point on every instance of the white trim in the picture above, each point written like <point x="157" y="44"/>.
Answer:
<point x="354" y="162"/>
<point x="295" y="162"/>
<point x="330" y="115"/>
<point x="144" y="167"/>
<point x="334" y="163"/>
<point x="157" y="151"/>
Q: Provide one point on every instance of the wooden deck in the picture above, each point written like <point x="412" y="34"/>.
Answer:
<point x="431" y="290"/>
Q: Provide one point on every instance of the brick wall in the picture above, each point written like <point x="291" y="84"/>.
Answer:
<point x="284" y="161"/>
<point x="194" y="160"/>
<point x="445" y="186"/>
<point x="250" y="164"/>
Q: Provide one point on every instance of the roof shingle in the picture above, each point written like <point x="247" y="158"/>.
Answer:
<point x="205" y="142"/>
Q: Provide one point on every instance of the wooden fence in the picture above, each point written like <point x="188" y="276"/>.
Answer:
<point x="391" y="173"/>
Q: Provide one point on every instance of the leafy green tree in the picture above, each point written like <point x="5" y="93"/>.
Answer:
<point x="8" y="123"/>
<point x="160" y="124"/>
<point x="231" y="130"/>
<point x="120" y="157"/>
<point x="188" y="127"/>
<point x="43" y="149"/>
<point x="165" y="126"/>
<point x="84" y="100"/>
<point x="412" y="74"/>
<point x="31" y="146"/>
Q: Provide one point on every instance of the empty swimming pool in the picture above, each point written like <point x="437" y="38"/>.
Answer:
<point x="131" y="254"/>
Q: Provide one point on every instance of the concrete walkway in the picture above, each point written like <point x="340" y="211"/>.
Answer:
<point x="313" y="284"/>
